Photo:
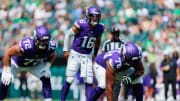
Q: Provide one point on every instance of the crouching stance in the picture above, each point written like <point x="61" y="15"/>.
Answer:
<point x="32" y="54"/>
<point x="122" y="64"/>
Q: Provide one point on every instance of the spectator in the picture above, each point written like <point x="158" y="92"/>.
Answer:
<point x="146" y="76"/>
<point x="169" y="67"/>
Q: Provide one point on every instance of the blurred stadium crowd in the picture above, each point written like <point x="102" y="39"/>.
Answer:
<point x="154" y="25"/>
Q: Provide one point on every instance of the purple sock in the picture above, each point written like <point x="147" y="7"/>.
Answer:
<point x="138" y="88"/>
<point x="95" y="93"/>
<point x="46" y="87"/>
<point x="3" y="90"/>
<point x="65" y="90"/>
<point x="88" y="90"/>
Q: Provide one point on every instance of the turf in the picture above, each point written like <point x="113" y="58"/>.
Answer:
<point x="30" y="100"/>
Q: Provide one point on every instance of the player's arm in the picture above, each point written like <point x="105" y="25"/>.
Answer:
<point x="97" y="46"/>
<point x="110" y="78"/>
<point x="13" y="51"/>
<point x="48" y="63"/>
<point x="51" y="57"/>
<point x="139" y="70"/>
<point x="68" y="34"/>
<point x="7" y="77"/>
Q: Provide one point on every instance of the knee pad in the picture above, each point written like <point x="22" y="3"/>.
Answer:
<point x="70" y="79"/>
<point x="89" y="80"/>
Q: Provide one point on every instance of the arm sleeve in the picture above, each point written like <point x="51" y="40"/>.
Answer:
<point x="68" y="34"/>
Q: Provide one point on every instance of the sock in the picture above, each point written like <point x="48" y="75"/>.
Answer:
<point x="138" y="91"/>
<point x="46" y="87"/>
<point x="3" y="90"/>
<point x="88" y="89"/>
<point x="65" y="90"/>
<point x="95" y="93"/>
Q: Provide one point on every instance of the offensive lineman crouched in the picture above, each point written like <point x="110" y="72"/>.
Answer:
<point x="117" y="65"/>
<point x="32" y="54"/>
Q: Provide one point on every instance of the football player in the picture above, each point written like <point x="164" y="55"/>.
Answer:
<point x="32" y="54"/>
<point x="122" y="64"/>
<point x="87" y="34"/>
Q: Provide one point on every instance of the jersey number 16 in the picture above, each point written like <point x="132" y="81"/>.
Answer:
<point x="88" y="42"/>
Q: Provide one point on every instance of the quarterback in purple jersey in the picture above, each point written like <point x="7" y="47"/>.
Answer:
<point x="87" y="34"/>
<point x="32" y="54"/>
<point x="121" y="64"/>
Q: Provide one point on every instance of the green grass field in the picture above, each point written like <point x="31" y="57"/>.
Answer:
<point x="30" y="100"/>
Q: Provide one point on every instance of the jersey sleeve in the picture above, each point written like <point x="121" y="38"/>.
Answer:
<point x="116" y="61"/>
<point x="52" y="45"/>
<point x="80" y="23"/>
<point x="26" y="45"/>
<point x="77" y="24"/>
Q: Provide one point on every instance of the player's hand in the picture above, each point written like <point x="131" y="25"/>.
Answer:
<point x="46" y="70"/>
<point x="66" y="54"/>
<point x="7" y="77"/>
<point x="126" y="80"/>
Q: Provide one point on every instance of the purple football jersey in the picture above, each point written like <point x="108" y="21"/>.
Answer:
<point x="84" y="40"/>
<point x="116" y="59"/>
<point x="30" y="56"/>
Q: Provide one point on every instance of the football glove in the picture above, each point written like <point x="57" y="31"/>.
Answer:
<point x="7" y="77"/>
<point x="46" y="70"/>
<point x="126" y="80"/>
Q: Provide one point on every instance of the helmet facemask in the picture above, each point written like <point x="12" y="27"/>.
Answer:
<point x="93" y="19"/>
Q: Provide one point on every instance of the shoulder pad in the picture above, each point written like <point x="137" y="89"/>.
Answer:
<point x="26" y="44"/>
<point x="102" y="26"/>
<point x="80" y="22"/>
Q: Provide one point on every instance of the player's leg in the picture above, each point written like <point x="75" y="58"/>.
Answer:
<point x="71" y="71"/>
<point x="126" y="91"/>
<point x="137" y="86"/>
<point x="89" y="75"/>
<point x="116" y="90"/>
<point x="3" y="90"/>
<point x="100" y="76"/>
<point x="46" y="84"/>
<point x="119" y="75"/>
<point x="46" y="88"/>
<point x="75" y="89"/>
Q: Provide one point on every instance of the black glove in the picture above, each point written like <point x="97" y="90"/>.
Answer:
<point x="126" y="80"/>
